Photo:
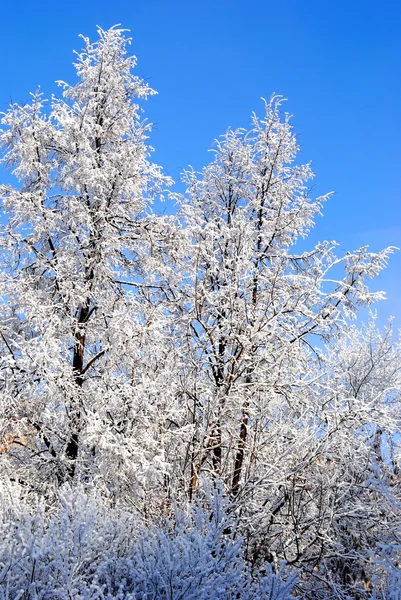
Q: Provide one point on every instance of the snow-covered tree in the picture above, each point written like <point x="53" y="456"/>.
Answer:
<point x="76" y="340"/>
<point x="256" y="381"/>
<point x="255" y="301"/>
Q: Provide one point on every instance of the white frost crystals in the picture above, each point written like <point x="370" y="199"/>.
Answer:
<point x="79" y="226"/>
<point x="200" y="361"/>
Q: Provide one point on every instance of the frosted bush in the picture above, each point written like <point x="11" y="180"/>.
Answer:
<point x="87" y="549"/>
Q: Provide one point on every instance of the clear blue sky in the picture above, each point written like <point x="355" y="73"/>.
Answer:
<point x="338" y="63"/>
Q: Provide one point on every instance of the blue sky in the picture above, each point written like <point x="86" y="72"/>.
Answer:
<point x="338" y="63"/>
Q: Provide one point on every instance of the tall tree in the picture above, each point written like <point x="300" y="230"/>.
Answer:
<point x="75" y="336"/>
<point x="255" y="300"/>
<point x="259" y="312"/>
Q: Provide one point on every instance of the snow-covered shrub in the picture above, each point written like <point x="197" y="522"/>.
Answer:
<point x="87" y="549"/>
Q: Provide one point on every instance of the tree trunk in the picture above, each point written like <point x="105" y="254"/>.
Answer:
<point x="72" y="447"/>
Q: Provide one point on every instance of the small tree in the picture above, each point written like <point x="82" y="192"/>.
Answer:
<point x="75" y="338"/>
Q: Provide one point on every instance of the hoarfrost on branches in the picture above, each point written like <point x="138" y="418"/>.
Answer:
<point x="78" y="341"/>
<point x="147" y="360"/>
<point x="88" y="549"/>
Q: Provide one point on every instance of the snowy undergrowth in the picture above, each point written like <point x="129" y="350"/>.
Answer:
<point x="86" y="549"/>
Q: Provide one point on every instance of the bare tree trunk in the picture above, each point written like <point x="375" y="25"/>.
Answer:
<point x="239" y="458"/>
<point x="72" y="447"/>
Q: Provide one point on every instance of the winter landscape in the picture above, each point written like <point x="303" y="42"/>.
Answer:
<point x="190" y="408"/>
